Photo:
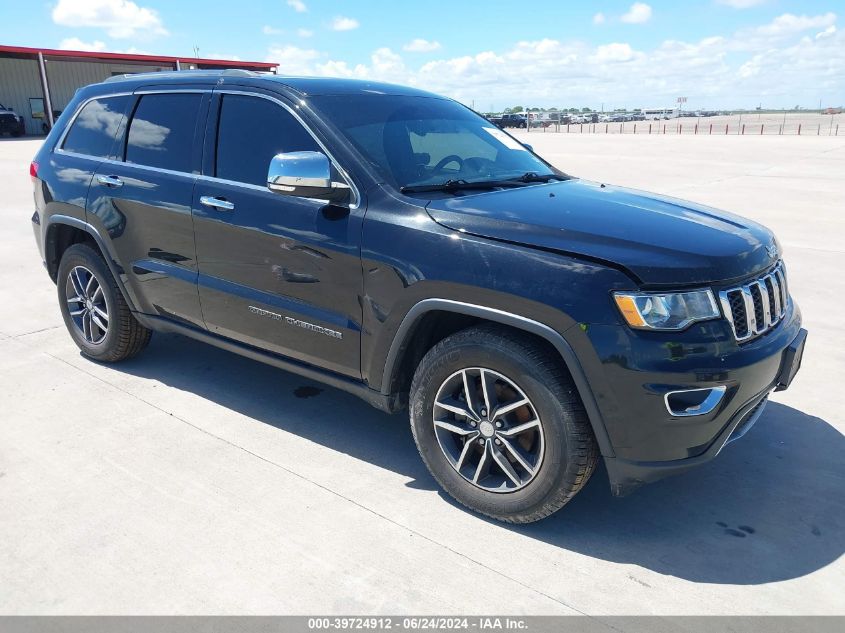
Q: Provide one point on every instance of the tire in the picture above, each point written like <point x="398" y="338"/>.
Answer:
<point x="561" y="450"/>
<point x="123" y="336"/>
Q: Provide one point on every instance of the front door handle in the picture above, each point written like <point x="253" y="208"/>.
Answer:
<point x="110" y="181"/>
<point x="217" y="203"/>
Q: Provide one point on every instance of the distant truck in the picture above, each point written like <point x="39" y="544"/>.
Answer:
<point x="11" y="122"/>
<point x="509" y="120"/>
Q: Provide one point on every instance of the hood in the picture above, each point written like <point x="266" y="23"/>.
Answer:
<point x="659" y="240"/>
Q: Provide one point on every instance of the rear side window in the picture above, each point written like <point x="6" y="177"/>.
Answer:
<point x="161" y="133"/>
<point x="251" y="131"/>
<point x="93" y="131"/>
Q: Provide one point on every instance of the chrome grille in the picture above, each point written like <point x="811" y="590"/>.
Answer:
<point x="756" y="307"/>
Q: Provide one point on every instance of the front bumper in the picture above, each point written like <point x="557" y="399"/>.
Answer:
<point x="632" y="372"/>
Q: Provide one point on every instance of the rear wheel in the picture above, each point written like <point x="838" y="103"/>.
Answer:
<point x="500" y="425"/>
<point x="94" y="310"/>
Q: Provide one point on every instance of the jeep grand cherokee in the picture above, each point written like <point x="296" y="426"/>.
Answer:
<point x="396" y="245"/>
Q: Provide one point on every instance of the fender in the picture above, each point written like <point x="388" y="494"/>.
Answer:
<point x="103" y="245"/>
<point x="514" y="320"/>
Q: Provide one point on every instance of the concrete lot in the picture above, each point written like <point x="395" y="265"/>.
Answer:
<point x="190" y="480"/>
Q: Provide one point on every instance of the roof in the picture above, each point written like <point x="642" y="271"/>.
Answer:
<point x="303" y="86"/>
<point x="57" y="54"/>
<point x="333" y="86"/>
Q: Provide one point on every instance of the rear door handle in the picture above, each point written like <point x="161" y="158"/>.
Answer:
<point x="110" y="181"/>
<point x="217" y="203"/>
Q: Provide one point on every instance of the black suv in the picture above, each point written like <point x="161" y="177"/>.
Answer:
<point x="11" y="122"/>
<point x="394" y="244"/>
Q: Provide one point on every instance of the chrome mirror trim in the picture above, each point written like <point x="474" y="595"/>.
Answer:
<point x="304" y="174"/>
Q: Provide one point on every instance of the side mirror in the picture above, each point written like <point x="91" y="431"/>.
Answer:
<point x="305" y="175"/>
<point x="530" y="148"/>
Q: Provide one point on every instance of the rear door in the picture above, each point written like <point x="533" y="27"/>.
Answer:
<point x="143" y="201"/>
<point x="277" y="272"/>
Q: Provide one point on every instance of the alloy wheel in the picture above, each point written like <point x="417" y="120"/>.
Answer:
<point x="87" y="304"/>
<point x="488" y="429"/>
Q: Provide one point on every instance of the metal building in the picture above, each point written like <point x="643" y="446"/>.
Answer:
<point x="37" y="83"/>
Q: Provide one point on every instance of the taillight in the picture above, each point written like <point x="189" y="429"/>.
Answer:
<point x="33" y="170"/>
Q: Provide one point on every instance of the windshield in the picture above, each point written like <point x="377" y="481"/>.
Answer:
<point x="413" y="141"/>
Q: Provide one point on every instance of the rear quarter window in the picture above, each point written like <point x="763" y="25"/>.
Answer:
<point x="93" y="131"/>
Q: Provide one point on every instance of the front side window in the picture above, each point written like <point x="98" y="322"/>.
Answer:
<point x="250" y="132"/>
<point x="418" y="140"/>
<point x="93" y="131"/>
<point x="161" y="133"/>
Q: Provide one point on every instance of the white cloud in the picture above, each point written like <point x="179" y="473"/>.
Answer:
<point x="639" y="13"/>
<point x="271" y="30"/>
<point x="293" y="60"/>
<point x="741" y="4"/>
<point x="304" y="32"/>
<point x="599" y="18"/>
<point x="98" y="117"/>
<point x="76" y="44"/>
<point x="420" y="45"/>
<point x="298" y="6"/>
<point x="615" y="52"/>
<point x="341" y="23"/>
<point x="778" y="66"/>
<point x="133" y="51"/>
<point x="789" y="23"/>
<point x="828" y="32"/>
<point x="120" y="18"/>
<point x="149" y="135"/>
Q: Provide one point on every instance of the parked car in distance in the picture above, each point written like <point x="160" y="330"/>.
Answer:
<point x="396" y="245"/>
<point x="509" y="120"/>
<point x="11" y="122"/>
<point x="495" y="119"/>
<point x="514" y="120"/>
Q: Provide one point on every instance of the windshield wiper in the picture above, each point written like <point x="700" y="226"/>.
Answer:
<point x="448" y="185"/>
<point x="456" y="184"/>
<point x="532" y="176"/>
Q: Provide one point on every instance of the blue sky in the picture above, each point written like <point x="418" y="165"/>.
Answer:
<point x="718" y="53"/>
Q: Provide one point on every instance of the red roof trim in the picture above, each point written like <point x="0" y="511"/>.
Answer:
<point x="125" y="57"/>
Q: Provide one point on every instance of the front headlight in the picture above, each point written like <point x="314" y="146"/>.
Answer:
<point x="666" y="311"/>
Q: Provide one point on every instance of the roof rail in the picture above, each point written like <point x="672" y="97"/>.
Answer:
<point x="239" y="72"/>
<point x="229" y="72"/>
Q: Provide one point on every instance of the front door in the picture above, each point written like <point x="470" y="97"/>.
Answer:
<point x="276" y="272"/>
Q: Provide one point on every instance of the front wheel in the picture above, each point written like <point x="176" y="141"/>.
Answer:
<point x="95" y="313"/>
<point x="500" y="425"/>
